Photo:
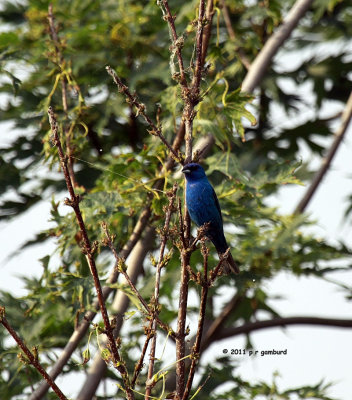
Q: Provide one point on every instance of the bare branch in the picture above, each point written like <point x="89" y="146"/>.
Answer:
<point x="63" y="79"/>
<point x="325" y="165"/>
<point x="88" y="250"/>
<point x="132" y="99"/>
<point x="120" y="267"/>
<point x="262" y="61"/>
<point x="285" y="321"/>
<point x="188" y="116"/>
<point x="83" y="327"/>
<point x="177" y="43"/>
<point x="164" y="237"/>
<point x="199" y="52"/>
<point x="209" y="13"/>
<point x="119" y="306"/>
<point x="139" y="365"/>
<point x="195" y="354"/>
<point x="31" y="358"/>
<point x="218" y="323"/>
<point x="181" y="326"/>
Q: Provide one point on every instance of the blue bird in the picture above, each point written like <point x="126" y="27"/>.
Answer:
<point x="203" y="207"/>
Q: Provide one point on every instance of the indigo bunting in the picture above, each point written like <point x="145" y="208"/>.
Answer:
<point x="203" y="207"/>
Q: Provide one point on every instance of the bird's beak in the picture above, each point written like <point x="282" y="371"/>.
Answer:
<point x="186" y="170"/>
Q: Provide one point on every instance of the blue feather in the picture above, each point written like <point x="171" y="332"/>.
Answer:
<point x="203" y="207"/>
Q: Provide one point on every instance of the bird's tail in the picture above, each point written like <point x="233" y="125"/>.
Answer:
<point x="229" y="266"/>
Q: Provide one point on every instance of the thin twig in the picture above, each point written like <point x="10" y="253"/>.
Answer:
<point x="209" y="13"/>
<point x="140" y="362"/>
<point x="120" y="267"/>
<point x="88" y="250"/>
<point x="199" y="51"/>
<point x="181" y="224"/>
<point x="284" y="321"/>
<point x="54" y="36"/>
<point x="193" y="98"/>
<point x="183" y="298"/>
<point x="177" y="43"/>
<point x="218" y="323"/>
<point x="32" y="358"/>
<point x="61" y="62"/>
<point x="262" y="61"/>
<point x="196" y="347"/>
<point x="164" y="237"/>
<point x="201" y="232"/>
<point x="216" y="271"/>
<point x="141" y="110"/>
<point x="98" y="368"/>
<point x="181" y="326"/>
<point x="325" y="165"/>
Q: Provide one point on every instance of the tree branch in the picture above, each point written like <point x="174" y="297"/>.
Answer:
<point x="181" y="323"/>
<point x="262" y="61"/>
<point x="132" y="99"/>
<point x="195" y="354"/>
<point x="161" y="263"/>
<point x="120" y="267"/>
<point x="63" y="79"/>
<point x="119" y="307"/>
<point x="32" y="358"/>
<point x="177" y="43"/>
<point x="140" y="363"/>
<point x="199" y="51"/>
<point x="190" y="101"/>
<point x="218" y="323"/>
<point x="209" y="13"/>
<point x="88" y="250"/>
<point x="325" y="165"/>
<point x="285" y="321"/>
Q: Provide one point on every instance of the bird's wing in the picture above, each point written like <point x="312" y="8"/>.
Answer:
<point x="217" y="203"/>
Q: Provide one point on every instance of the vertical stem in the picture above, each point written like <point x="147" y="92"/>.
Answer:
<point x="188" y="115"/>
<point x="188" y="132"/>
<point x="196" y="346"/>
<point x="199" y="48"/>
<point x="165" y="235"/>
<point x="182" y="310"/>
<point x="181" y="324"/>
<point x="61" y="62"/>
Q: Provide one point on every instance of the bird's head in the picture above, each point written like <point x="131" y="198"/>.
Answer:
<point x="193" y="171"/>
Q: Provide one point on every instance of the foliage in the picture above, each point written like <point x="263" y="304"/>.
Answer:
<point x="117" y="162"/>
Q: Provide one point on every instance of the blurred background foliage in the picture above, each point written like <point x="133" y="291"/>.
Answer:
<point x="117" y="161"/>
